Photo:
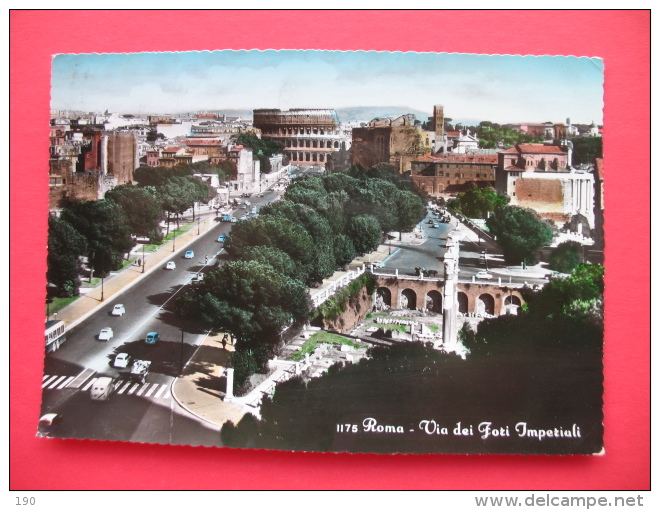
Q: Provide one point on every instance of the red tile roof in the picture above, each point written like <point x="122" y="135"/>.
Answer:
<point x="460" y="158"/>
<point x="202" y="141"/>
<point x="535" y="148"/>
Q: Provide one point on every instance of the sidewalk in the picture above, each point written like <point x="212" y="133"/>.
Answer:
<point x="119" y="282"/>
<point x="201" y="388"/>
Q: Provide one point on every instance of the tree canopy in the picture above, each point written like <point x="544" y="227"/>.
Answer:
<point x="565" y="257"/>
<point x="477" y="202"/>
<point x="520" y="232"/>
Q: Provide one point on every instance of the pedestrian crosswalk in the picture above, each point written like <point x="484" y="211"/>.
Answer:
<point x="122" y="387"/>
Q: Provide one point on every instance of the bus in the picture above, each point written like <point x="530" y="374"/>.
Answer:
<point x="54" y="335"/>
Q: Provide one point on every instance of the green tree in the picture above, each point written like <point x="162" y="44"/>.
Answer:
<point x="477" y="202"/>
<point x="364" y="231"/>
<point x="251" y="301"/>
<point x="520" y="233"/>
<point x="142" y="209"/>
<point x="277" y="232"/>
<point x="587" y="149"/>
<point x="65" y="246"/>
<point x="565" y="257"/>
<point x="106" y="229"/>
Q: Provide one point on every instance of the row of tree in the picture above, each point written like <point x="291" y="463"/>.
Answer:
<point x="320" y="225"/>
<point x="103" y="231"/>
<point x="542" y="367"/>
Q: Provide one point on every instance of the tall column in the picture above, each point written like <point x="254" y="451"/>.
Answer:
<point x="229" y="393"/>
<point x="450" y="298"/>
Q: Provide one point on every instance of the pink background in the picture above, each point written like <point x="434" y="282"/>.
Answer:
<point x="621" y="38"/>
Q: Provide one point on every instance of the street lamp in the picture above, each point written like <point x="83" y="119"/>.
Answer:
<point x="102" y="280"/>
<point x="181" y="362"/>
<point x="143" y="258"/>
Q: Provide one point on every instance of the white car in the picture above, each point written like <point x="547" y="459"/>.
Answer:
<point x="170" y="265"/>
<point x="106" y="334"/>
<point x="484" y="274"/>
<point x="118" y="310"/>
<point x="122" y="360"/>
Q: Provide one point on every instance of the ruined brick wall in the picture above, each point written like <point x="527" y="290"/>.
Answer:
<point x="473" y="292"/>
<point x="355" y="311"/>
<point x="122" y="156"/>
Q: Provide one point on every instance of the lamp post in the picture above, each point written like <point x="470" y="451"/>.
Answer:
<point x="181" y="361"/>
<point x="102" y="280"/>
<point x="143" y="258"/>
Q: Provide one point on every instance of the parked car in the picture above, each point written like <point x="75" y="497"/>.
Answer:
<point x="170" y="265"/>
<point x="189" y="254"/>
<point x="222" y="237"/>
<point x="152" y="337"/>
<point x="106" y="334"/>
<point x="435" y="225"/>
<point x="233" y="220"/>
<point x="122" y="360"/>
<point x="484" y="274"/>
<point x="118" y="310"/>
<point x="261" y="195"/>
<point x="48" y="424"/>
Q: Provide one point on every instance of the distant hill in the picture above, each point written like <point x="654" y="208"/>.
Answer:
<point x="358" y="113"/>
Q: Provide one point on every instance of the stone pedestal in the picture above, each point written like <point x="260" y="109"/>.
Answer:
<point x="229" y="394"/>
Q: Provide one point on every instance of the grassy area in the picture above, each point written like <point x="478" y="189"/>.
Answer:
<point x="433" y="327"/>
<point x="322" y="337"/>
<point x="177" y="232"/>
<point x="59" y="303"/>
<point x="127" y="262"/>
<point x="393" y="327"/>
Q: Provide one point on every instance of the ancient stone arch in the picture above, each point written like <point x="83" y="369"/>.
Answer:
<point x="408" y="299"/>
<point x="434" y="301"/>
<point x="383" y="297"/>
<point x="511" y="305"/>
<point x="462" y="299"/>
<point x="485" y="305"/>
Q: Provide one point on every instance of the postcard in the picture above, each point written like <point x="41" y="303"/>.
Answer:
<point x="363" y="252"/>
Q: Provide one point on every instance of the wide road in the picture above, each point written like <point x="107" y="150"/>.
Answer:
<point x="474" y="256"/>
<point x="136" y="412"/>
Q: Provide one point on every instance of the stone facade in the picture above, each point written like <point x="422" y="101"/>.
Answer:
<point x="540" y="177"/>
<point x="309" y="136"/>
<point x="86" y="161"/>
<point x="441" y="174"/>
<point x="472" y="298"/>
<point x="392" y="140"/>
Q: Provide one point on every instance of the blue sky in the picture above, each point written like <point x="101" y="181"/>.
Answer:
<point x="499" y="88"/>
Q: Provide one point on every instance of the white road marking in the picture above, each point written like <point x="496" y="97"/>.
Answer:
<point x="124" y="387"/>
<point x="135" y="387"/>
<point x="51" y="378"/>
<point x="65" y="382"/>
<point x="57" y="382"/>
<point x="144" y="387"/>
<point x="86" y="387"/>
<point x="162" y="387"/>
